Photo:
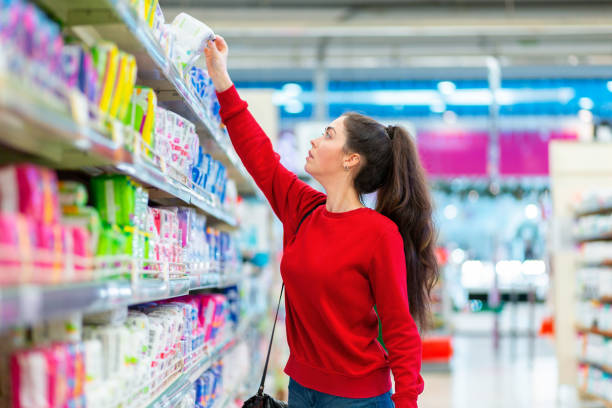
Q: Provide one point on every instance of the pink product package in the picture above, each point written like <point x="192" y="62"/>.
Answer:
<point x="29" y="182"/>
<point x="211" y="310"/>
<point x="38" y="196"/>
<point x="17" y="240"/>
<point x="169" y="225"/>
<point x="49" y="260"/>
<point x="41" y="377"/>
<point x="80" y="248"/>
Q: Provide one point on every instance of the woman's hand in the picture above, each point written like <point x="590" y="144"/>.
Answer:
<point x="216" y="62"/>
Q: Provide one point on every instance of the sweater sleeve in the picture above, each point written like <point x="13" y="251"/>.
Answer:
<point x="399" y="331"/>
<point x="289" y="197"/>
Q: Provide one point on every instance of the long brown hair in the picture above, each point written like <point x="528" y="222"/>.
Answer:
<point x="391" y="166"/>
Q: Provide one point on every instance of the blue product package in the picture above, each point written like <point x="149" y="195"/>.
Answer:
<point x="234" y="303"/>
<point x="220" y="177"/>
<point x="199" y="392"/>
<point x="206" y="390"/>
<point x="207" y="161"/>
<point x="209" y="185"/>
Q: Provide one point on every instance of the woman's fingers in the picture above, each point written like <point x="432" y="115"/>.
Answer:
<point x="220" y="44"/>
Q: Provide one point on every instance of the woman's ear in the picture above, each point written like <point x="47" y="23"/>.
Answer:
<point x="353" y="160"/>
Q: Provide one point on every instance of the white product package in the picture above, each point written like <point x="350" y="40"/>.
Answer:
<point x="191" y="38"/>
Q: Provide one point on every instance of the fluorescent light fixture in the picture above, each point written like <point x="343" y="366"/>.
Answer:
<point x="292" y="89"/>
<point x="609" y="86"/>
<point x="446" y="87"/>
<point x="586" y="103"/>
<point x="415" y="97"/>
<point x="531" y="211"/>
<point x="294" y="106"/>
<point x="438" y="107"/>
<point x="450" y="212"/>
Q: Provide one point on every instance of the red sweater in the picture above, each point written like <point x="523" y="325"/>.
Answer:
<point x="335" y="270"/>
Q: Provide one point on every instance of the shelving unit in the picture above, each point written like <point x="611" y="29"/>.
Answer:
<point x="58" y="132"/>
<point x="587" y="396"/>
<point x="115" y="21"/>
<point x="577" y="169"/>
<point x="181" y="385"/>
<point x="62" y="142"/>
<point x="28" y="304"/>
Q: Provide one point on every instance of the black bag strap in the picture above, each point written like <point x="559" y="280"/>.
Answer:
<point x="263" y="377"/>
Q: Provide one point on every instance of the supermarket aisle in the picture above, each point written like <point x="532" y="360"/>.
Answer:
<point x="482" y="379"/>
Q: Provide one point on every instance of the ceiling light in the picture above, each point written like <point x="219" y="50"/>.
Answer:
<point x="438" y="107"/>
<point x="292" y="89"/>
<point x="586" y="103"/>
<point x="294" y="106"/>
<point x="531" y="211"/>
<point x="458" y="255"/>
<point x="609" y="85"/>
<point x="450" y="212"/>
<point x="446" y="87"/>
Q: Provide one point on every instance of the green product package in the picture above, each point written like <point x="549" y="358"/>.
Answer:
<point x="115" y="198"/>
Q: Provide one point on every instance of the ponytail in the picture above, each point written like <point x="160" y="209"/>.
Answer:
<point x="392" y="167"/>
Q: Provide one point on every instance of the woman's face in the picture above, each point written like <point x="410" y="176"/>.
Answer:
<point x="326" y="157"/>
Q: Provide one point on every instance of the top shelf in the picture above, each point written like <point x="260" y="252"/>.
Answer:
<point x="116" y="21"/>
<point x="594" y="211"/>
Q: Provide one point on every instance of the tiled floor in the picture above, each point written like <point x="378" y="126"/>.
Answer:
<point x="482" y="378"/>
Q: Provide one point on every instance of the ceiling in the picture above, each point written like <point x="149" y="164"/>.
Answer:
<point x="358" y="34"/>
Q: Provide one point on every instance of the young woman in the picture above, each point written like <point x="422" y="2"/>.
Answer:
<point x="345" y="258"/>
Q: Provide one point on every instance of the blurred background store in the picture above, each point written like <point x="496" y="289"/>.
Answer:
<point x="118" y="188"/>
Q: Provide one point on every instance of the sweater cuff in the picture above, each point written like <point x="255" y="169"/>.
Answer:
<point x="404" y="402"/>
<point x="230" y="103"/>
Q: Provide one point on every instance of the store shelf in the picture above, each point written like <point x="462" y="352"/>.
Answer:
<point x="116" y="21"/>
<point x="208" y="281"/>
<point x="28" y="304"/>
<point x="595" y="238"/>
<point x="602" y="367"/>
<point x="178" y="388"/>
<point x="52" y="133"/>
<point x="589" y="396"/>
<point x="595" y="211"/>
<point x="174" y="192"/>
<point x="594" y="330"/>
<point x="57" y="138"/>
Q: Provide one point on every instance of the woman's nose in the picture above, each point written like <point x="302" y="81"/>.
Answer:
<point x="312" y="142"/>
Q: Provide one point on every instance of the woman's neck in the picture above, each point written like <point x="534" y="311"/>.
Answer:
<point x="342" y="197"/>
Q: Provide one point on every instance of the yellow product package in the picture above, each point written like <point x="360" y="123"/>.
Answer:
<point x="106" y="59"/>
<point x="124" y="85"/>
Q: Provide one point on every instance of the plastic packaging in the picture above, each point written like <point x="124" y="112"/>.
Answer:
<point x="191" y="38"/>
<point x="106" y="60"/>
